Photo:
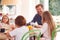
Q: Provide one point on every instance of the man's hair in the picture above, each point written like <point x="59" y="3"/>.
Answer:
<point x="20" y="21"/>
<point x="38" y="5"/>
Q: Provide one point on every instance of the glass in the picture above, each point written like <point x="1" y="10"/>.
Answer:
<point x="2" y="30"/>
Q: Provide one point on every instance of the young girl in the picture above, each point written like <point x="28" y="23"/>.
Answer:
<point x="5" y="20"/>
<point x="5" y="24"/>
<point x="48" y="25"/>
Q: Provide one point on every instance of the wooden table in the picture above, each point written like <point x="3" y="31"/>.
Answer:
<point x="3" y="36"/>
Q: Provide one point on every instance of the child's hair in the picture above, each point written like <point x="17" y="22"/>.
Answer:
<point x="47" y="17"/>
<point x="20" y="21"/>
<point x="3" y="18"/>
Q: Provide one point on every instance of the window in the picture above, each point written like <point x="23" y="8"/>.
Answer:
<point x="54" y="6"/>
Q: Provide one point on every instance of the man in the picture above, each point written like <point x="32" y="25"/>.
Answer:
<point x="38" y="17"/>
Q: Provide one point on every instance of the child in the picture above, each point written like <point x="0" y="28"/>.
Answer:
<point x="21" y="28"/>
<point x="48" y="25"/>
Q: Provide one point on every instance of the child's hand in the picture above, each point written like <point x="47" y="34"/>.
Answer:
<point x="42" y="39"/>
<point x="12" y="26"/>
<point x="38" y="26"/>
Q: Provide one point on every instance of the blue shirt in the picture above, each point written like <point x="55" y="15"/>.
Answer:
<point x="37" y="18"/>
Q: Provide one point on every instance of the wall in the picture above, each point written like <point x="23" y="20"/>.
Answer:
<point x="23" y="7"/>
<point x="7" y="2"/>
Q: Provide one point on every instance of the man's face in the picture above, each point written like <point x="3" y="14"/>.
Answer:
<point x="39" y="10"/>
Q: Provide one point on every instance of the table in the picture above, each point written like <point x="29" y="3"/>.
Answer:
<point x="3" y="36"/>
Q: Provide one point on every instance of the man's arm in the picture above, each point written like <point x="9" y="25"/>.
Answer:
<point x="35" y="18"/>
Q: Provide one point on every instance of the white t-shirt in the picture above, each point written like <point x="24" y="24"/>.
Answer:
<point x="19" y="32"/>
<point x="45" y="31"/>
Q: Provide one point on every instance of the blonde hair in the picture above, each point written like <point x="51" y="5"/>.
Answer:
<point x="47" y="17"/>
<point x="3" y="18"/>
